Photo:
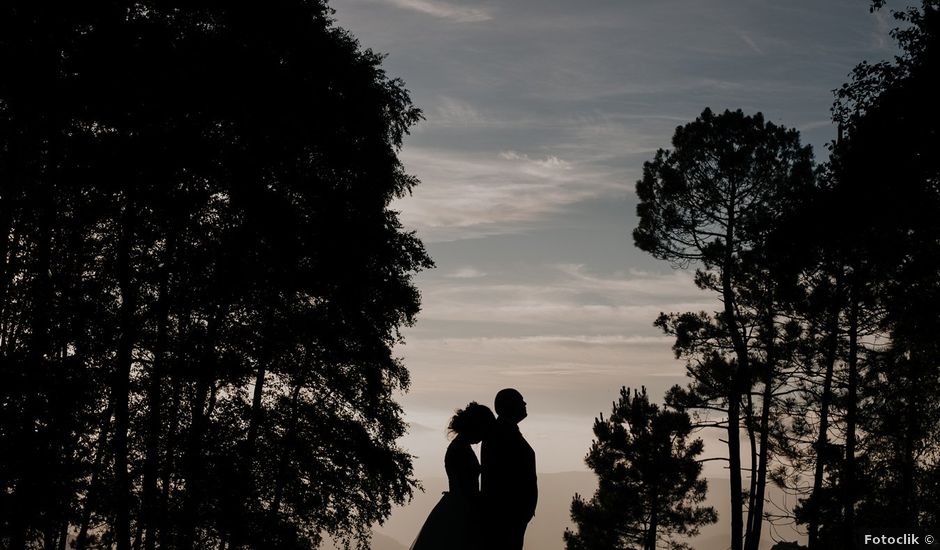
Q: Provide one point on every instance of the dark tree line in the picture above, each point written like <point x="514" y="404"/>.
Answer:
<point x="200" y="278"/>
<point x="883" y="181"/>
<point x="821" y="363"/>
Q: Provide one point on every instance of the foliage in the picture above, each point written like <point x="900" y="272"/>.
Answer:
<point x="719" y="199"/>
<point x="650" y="485"/>
<point x="201" y="279"/>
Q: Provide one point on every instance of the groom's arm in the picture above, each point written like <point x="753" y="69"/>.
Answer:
<point x="532" y="488"/>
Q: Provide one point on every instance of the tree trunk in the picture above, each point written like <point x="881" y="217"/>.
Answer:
<point x="848" y="487"/>
<point x="752" y="485"/>
<point x="650" y="542"/>
<point x="6" y="232"/>
<point x="193" y="467"/>
<point x="154" y="398"/>
<point x="756" y="512"/>
<point x="23" y="154"/>
<point x="167" y="471"/>
<point x="908" y="454"/>
<point x="138" y="535"/>
<point x="121" y="385"/>
<point x="26" y="500"/>
<point x="25" y="497"/>
<point x="63" y="536"/>
<point x="50" y="537"/>
<point x="734" y="466"/>
<point x="194" y="459"/>
<point x="822" y="439"/>
<point x="285" y="455"/>
<point x="255" y="417"/>
<point x="738" y="375"/>
<point x="82" y="539"/>
<point x="249" y="448"/>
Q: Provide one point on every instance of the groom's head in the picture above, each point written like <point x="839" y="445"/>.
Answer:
<point x="510" y="405"/>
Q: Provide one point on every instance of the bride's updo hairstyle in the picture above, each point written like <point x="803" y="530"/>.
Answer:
<point x="473" y="421"/>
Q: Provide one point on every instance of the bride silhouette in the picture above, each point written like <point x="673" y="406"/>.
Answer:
<point x="455" y="522"/>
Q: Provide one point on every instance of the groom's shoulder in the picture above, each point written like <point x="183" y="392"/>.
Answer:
<point x="501" y="432"/>
<point x="506" y="432"/>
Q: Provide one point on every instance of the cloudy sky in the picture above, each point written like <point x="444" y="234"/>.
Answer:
<point x="539" y="115"/>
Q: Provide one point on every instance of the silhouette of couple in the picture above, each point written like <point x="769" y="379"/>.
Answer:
<point x="492" y="515"/>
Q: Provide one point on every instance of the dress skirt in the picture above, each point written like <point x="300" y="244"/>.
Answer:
<point x="450" y="526"/>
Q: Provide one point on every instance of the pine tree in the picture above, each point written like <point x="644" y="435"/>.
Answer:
<point x="649" y="480"/>
<point x="714" y="200"/>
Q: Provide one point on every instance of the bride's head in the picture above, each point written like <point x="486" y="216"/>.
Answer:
<point x="472" y="423"/>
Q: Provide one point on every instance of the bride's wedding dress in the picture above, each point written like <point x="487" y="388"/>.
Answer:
<point x="453" y="524"/>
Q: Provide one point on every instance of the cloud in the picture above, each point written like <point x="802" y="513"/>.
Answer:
<point x="444" y="10"/>
<point x="594" y="328"/>
<point x="879" y="35"/>
<point x="548" y="163"/>
<point x="576" y="340"/>
<point x="467" y="195"/>
<point x="815" y="124"/>
<point x="417" y="427"/>
<point x="466" y="273"/>
<point x="568" y="297"/>
<point x="454" y="112"/>
<point x="751" y="44"/>
<point x="606" y="137"/>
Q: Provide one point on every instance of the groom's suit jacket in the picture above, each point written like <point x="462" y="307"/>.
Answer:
<point x="508" y="481"/>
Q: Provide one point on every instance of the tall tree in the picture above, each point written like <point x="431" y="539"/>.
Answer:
<point x="713" y="200"/>
<point x="202" y="278"/>
<point x="873" y="228"/>
<point x="887" y="175"/>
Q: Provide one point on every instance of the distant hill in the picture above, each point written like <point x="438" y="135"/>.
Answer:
<point x="551" y="517"/>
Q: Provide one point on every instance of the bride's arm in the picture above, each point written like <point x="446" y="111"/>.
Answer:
<point x="462" y="470"/>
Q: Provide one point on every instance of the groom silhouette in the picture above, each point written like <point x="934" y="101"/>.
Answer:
<point x="508" y="484"/>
